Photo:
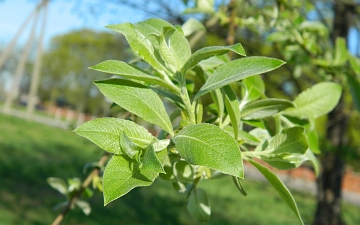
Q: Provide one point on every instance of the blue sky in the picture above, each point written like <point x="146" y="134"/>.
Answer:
<point x="61" y="18"/>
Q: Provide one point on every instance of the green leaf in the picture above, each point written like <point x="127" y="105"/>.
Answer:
<point x="122" y="174"/>
<point x="316" y="101"/>
<point x="232" y="107"/>
<point x="198" y="205"/>
<point x="237" y="70"/>
<point x="174" y="48"/>
<point x="130" y="72"/>
<point x="290" y="140"/>
<point x="211" y="51"/>
<point x="84" y="206"/>
<point x="341" y="53"/>
<point x="264" y="108"/>
<point x="208" y="145"/>
<point x="137" y="99"/>
<point x="313" y="160"/>
<point x="105" y="133"/>
<point x="141" y="45"/>
<point x="279" y="187"/>
<point x="127" y="146"/>
<point x="354" y="90"/>
<point x="58" y="184"/>
<point x="239" y="185"/>
<point x="313" y="140"/>
<point x="355" y="64"/>
<point x="191" y="26"/>
<point x="255" y="89"/>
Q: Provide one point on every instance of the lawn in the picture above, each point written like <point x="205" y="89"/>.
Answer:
<point x="31" y="152"/>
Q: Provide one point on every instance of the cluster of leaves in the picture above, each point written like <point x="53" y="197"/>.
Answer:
<point x="222" y="117"/>
<point x="70" y="189"/>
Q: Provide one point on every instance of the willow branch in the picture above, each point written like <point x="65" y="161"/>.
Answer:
<point x="95" y="172"/>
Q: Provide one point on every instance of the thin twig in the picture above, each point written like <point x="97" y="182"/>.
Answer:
<point x="84" y="185"/>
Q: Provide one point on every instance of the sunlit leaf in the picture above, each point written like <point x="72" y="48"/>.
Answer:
<point x="237" y="70"/>
<point x="264" y="108"/>
<point x="279" y="187"/>
<point x="137" y="99"/>
<point x="316" y="101"/>
<point x="105" y="133"/>
<point x="131" y="72"/>
<point x="211" y="51"/>
<point x="208" y="145"/>
<point x="122" y="174"/>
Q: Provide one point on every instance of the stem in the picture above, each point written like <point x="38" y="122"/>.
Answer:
<point x="188" y="106"/>
<point x="84" y="185"/>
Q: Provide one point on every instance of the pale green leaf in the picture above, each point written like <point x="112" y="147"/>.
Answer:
<point x="255" y="89"/>
<point x="237" y="70"/>
<point x="208" y="145"/>
<point x="355" y="64"/>
<point x="191" y="26"/>
<point x="264" y="108"/>
<point x="122" y="174"/>
<point x="313" y="140"/>
<point x="198" y="205"/>
<point x="232" y="107"/>
<point x="131" y="72"/>
<point x="341" y="53"/>
<point x="313" y="160"/>
<point x="316" y="101"/>
<point x="105" y="133"/>
<point x="84" y="206"/>
<point x="127" y="146"/>
<point x="137" y="99"/>
<point x="211" y="51"/>
<point x="141" y="45"/>
<point x="58" y="184"/>
<point x="290" y="140"/>
<point x="174" y="48"/>
<point x="279" y="187"/>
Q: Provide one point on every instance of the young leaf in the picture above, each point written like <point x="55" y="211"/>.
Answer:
<point x="255" y="88"/>
<point x="279" y="187"/>
<point x="313" y="140"/>
<point x="105" y="133"/>
<point x="316" y="101"/>
<point x="127" y="146"/>
<point x="341" y="53"/>
<point x="290" y="140"/>
<point x="58" y="184"/>
<point x="131" y="72"/>
<point x="264" y="108"/>
<point x="191" y="26"/>
<point x="198" y="205"/>
<point x="208" y="145"/>
<point x="140" y="45"/>
<point x="239" y="185"/>
<point x="232" y="107"/>
<point x="238" y="70"/>
<point x="174" y="48"/>
<point x="137" y="99"/>
<point x="211" y="51"/>
<point x="122" y="174"/>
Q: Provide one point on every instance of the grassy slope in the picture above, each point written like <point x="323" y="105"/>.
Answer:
<point x="29" y="153"/>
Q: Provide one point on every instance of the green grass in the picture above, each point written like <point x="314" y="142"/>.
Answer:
<point x="32" y="152"/>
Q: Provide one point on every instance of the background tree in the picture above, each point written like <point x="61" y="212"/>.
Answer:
<point x="66" y="73"/>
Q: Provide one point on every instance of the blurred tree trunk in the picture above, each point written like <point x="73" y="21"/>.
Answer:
<point x="328" y="211"/>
